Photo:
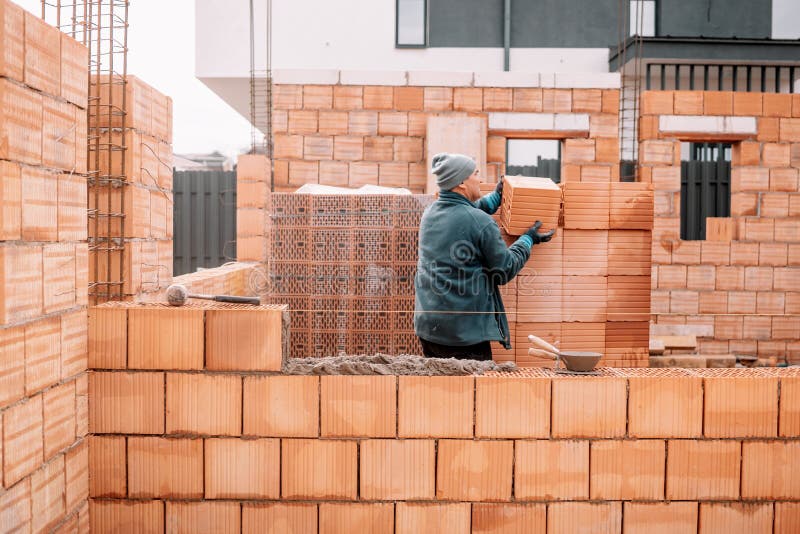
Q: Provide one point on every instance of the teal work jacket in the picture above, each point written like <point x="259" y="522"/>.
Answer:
<point x="462" y="262"/>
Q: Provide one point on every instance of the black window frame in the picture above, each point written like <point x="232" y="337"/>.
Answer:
<point x="397" y="43"/>
<point x="696" y="190"/>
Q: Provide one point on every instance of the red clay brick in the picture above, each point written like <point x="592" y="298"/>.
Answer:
<point x="12" y="367"/>
<point x="59" y="418"/>
<point x="769" y="129"/>
<point x="74" y="328"/>
<point x="279" y="518"/>
<point x="412" y="518"/>
<point x="242" y="469"/>
<point x="657" y="103"/>
<point x="126" y="403"/>
<point x="341" y="518"/>
<point x="767" y="470"/>
<point x="378" y="97"/>
<point x="787" y="516"/>
<point x="530" y="99"/>
<point x="208" y="516"/>
<point x="317" y="97"/>
<point x="257" y="347"/>
<point x="661" y="517"/>
<point x="498" y="99"/>
<point x="665" y="407"/>
<point x="204" y="404"/>
<point x="741" y="407"/>
<point x="287" y="96"/>
<point x="735" y="517"/>
<point x="144" y="517"/>
<point x="281" y="406"/>
<point x="397" y="469"/>
<point x="468" y="99"/>
<point x="408" y="98"/>
<point x="438" y="98"/>
<point x="551" y="470"/>
<point x="512" y="407"/>
<point x="577" y="412"/>
<point x="378" y="148"/>
<point x="430" y="406"/>
<point x="15" y="507"/>
<point x="790" y="407"/>
<point x="707" y="469"/>
<point x="164" y="338"/>
<point x="39" y="205"/>
<point x="333" y="123"/>
<point x="689" y="102"/>
<point x="358" y="406"/>
<point x="303" y="122"/>
<point x="42" y="354"/>
<point x="23" y="440"/>
<point x="162" y="467"/>
<point x="76" y="475"/>
<point x="488" y="518"/>
<point x="627" y="470"/>
<point x="107" y="465"/>
<point x="584" y="517"/>
<point x="47" y="495"/>
<point x="317" y="469"/>
<point x="463" y="471"/>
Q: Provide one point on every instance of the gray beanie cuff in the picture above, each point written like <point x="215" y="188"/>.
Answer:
<point x="451" y="170"/>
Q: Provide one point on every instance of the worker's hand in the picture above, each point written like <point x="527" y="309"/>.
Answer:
<point x="499" y="188"/>
<point x="538" y="237"/>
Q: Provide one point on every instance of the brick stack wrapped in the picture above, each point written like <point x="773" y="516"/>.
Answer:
<point x="43" y="276"/>
<point x="589" y="287"/>
<point x="345" y="265"/>
<point x="745" y="280"/>
<point x="147" y="208"/>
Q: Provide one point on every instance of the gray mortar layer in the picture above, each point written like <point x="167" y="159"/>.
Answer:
<point x="382" y="364"/>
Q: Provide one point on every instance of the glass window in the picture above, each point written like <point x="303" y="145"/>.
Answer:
<point x="642" y="19"/>
<point x="534" y="157"/>
<point x="411" y="23"/>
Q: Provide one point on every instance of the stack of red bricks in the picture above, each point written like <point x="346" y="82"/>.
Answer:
<point x="589" y="287"/>
<point x="147" y="208"/>
<point x="530" y="452"/>
<point x="252" y="202"/>
<point x="747" y="285"/>
<point x="345" y="265"/>
<point x="43" y="277"/>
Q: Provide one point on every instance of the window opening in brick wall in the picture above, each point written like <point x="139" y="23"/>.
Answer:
<point x="705" y="186"/>
<point x="534" y="157"/>
<point x="642" y="19"/>
<point x="411" y="23"/>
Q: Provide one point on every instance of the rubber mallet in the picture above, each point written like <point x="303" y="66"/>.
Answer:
<point x="177" y="295"/>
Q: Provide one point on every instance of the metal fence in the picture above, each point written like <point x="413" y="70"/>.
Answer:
<point x="204" y="220"/>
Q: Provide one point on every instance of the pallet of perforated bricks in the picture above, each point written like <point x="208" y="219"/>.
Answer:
<point x="527" y="200"/>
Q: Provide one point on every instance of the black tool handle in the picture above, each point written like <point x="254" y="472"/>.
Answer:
<point x="238" y="300"/>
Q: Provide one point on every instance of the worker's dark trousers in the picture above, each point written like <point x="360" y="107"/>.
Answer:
<point x="479" y="351"/>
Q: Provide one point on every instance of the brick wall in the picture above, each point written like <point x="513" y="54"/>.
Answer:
<point x="355" y="128"/>
<point x="43" y="276"/>
<point x="245" y="451"/>
<point x="145" y="180"/>
<point x="747" y="287"/>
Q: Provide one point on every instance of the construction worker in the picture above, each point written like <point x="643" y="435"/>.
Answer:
<point x="462" y="261"/>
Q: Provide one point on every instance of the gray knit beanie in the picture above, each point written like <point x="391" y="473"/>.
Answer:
<point x="451" y="169"/>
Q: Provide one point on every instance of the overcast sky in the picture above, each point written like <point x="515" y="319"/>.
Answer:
<point x="161" y="52"/>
